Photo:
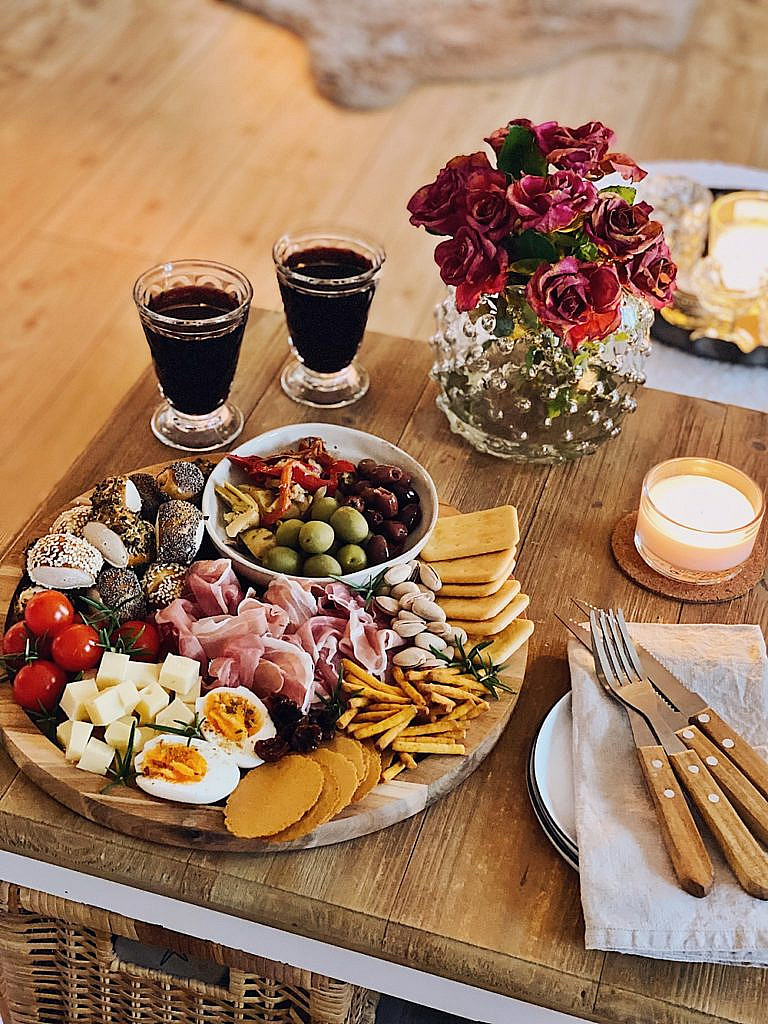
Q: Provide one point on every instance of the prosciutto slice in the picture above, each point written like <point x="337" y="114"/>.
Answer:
<point x="214" y="586"/>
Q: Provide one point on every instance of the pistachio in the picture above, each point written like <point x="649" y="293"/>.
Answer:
<point x="398" y="574"/>
<point x="408" y="629"/>
<point x="388" y="605"/>
<point x="411" y="657"/>
<point x="429" y="577"/>
<point x="407" y="587"/>
<point x="406" y="601"/>
<point x="440" y="628"/>
<point x="406" y="616"/>
<point x="428" y="609"/>
<point x="430" y="642"/>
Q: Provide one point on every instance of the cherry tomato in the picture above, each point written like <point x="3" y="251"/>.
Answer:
<point x="39" y="685"/>
<point x="77" y="648"/>
<point x="16" y="639"/>
<point x="48" y="612"/>
<point x="141" y="639"/>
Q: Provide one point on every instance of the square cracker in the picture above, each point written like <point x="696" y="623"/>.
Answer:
<point x="490" y="627"/>
<point x="476" y="533"/>
<point x="479" y="607"/>
<point x="473" y="589"/>
<point x="508" y="641"/>
<point x="477" y="569"/>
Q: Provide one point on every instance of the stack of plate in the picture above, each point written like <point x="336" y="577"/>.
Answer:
<point x="550" y="780"/>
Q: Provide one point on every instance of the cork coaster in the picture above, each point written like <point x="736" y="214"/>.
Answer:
<point x="630" y="562"/>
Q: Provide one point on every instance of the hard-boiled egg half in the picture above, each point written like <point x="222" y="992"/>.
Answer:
<point x="191" y="772"/>
<point x="233" y="718"/>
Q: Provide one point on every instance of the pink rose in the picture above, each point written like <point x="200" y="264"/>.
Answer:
<point x="440" y="207"/>
<point x="578" y="301"/>
<point x="551" y="203"/>
<point x="619" y="228"/>
<point x="497" y="139"/>
<point x="579" y="149"/>
<point x="623" y="165"/>
<point x="474" y="264"/>
<point x="486" y="204"/>
<point x="651" y="274"/>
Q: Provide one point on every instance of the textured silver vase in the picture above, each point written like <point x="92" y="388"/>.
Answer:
<point x="511" y="388"/>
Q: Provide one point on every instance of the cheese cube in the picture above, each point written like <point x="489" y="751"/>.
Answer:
<point x="176" y="714"/>
<point x="191" y="695"/>
<point x="141" y="673"/>
<point x="128" y="694"/>
<point x="97" y="757"/>
<point x="63" y="732"/>
<point x="118" y="733"/>
<point x="105" y="708"/>
<point x="112" y="669"/>
<point x="78" y="740"/>
<point x="152" y="699"/>
<point x="74" y="698"/>
<point x="179" y="674"/>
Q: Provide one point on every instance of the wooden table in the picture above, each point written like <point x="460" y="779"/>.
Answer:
<point x="466" y="906"/>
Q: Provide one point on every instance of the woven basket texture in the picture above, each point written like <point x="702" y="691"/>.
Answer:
<point x="58" y="966"/>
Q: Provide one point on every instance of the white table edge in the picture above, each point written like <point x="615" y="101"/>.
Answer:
<point x="285" y="947"/>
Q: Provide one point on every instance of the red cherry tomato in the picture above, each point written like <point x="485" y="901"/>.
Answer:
<point x="141" y="639"/>
<point x="77" y="648"/>
<point x="48" y="612"/>
<point x="16" y="639"/>
<point x="39" y="686"/>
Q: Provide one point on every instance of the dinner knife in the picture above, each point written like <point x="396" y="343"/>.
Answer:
<point x="748" y="799"/>
<point x="682" y="840"/>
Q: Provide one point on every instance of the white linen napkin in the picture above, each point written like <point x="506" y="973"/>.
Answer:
<point x="632" y="902"/>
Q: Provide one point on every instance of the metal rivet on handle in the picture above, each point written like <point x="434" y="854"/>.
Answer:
<point x="687" y="734"/>
<point x="713" y="798"/>
<point x="704" y="718"/>
<point x="728" y="742"/>
<point x="669" y="793"/>
<point x="693" y="769"/>
<point x="656" y="763"/>
<point x="711" y="760"/>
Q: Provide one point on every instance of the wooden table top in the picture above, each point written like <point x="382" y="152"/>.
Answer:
<point x="470" y="889"/>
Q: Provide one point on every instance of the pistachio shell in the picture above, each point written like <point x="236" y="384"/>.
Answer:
<point x="401" y="589"/>
<point x="406" y="601"/>
<point x="429" y="577"/>
<point x="408" y="629"/>
<point x="440" y="628"/>
<point x="411" y="657"/>
<point x="427" y="609"/>
<point x="398" y="574"/>
<point x="430" y="642"/>
<point x="406" y="616"/>
<point x="388" y="605"/>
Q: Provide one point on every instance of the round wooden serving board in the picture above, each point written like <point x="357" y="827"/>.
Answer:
<point x="129" y="810"/>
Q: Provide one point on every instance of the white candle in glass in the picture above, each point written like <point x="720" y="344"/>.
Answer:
<point x="698" y="519"/>
<point x="741" y="252"/>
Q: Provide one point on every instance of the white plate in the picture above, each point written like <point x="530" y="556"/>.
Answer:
<point x="343" y="442"/>
<point x="551" y="769"/>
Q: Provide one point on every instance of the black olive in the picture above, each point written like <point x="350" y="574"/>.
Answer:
<point x="377" y="550"/>
<point x="410" y="516"/>
<point x="394" y="530"/>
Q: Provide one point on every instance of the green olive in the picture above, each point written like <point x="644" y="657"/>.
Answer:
<point x="315" y="537"/>
<point x="287" y="533"/>
<point x="321" y="565"/>
<point x="323" y="508"/>
<point x="349" y="524"/>
<point x="352" y="558"/>
<point x="283" y="559"/>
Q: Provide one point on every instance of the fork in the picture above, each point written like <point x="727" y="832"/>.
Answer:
<point x="746" y="858"/>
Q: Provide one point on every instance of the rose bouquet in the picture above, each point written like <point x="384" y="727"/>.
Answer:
<point x="541" y="254"/>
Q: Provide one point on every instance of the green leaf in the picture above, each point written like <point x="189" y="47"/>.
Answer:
<point x="531" y="245"/>
<point x="625" y="191"/>
<point x="520" y="155"/>
<point x="526" y="267"/>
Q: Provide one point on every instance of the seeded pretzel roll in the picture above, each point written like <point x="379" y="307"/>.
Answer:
<point x="151" y="495"/>
<point x="123" y="537"/>
<point x="206" y="466"/>
<point x="62" y="561"/>
<point x="116" y="490"/>
<point x="120" y="590"/>
<point x="163" y="582"/>
<point x="72" y="520"/>
<point x="181" y="480"/>
<point x="180" y="529"/>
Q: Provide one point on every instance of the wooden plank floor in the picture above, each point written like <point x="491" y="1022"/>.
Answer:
<point x="134" y="130"/>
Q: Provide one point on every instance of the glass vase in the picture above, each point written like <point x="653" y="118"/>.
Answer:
<point x="511" y="388"/>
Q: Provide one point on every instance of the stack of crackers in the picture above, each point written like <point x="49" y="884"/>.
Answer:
<point x="474" y="555"/>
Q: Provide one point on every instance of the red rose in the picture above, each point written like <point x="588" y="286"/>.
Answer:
<point x="621" y="229"/>
<point x="440" y="207"/>
<point x="487" y="208"/>
<point x="551" y="203"/>
<point x="579" y="149"/>
<point x="576" y="300"/>
<point x="623" y="165"/>
<point x="652" y="274"/>
<point x="474" y="264"/>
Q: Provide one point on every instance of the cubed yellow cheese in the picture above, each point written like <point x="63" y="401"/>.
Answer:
<point x="74" y="698"/>
<point x="191" y="695"/>
<point x="63" y="732"/>
<point x="179" y="674"/>
<point x="97" y="757"/>
<point x="152" y="699"/>
<point x="112" y="669"/>
<point x="141" y="673"/>
<point x="128" y="694"/>
<point x="118" y="733"/>
<point x="176" y="714"/>
<point x="105" y="708"/>
<point x="78" y="740"/>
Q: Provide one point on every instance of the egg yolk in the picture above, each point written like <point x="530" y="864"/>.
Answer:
<point x="232" y="716"/>
<point x="174" y="762"/>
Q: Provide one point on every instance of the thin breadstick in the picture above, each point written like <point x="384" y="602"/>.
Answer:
<point x="360" y="690"/>
<point x="394" y="769"/>
<point x="442" y="725"/>
<point x="375" y="684"/>
<point x="386" y="758"/>
<point x="455" y="692"/>
<point x="372" y="716"/>
<point x="358" y="702"/>
<point x="405" y="686"/>
<point x="343" y="720"/>
<point x="394" y="731"/>
<point x="407" y="760"/>
<point x="367" y="730"/>
<point x="461" y="711"/>
<point x="425" y="747"/>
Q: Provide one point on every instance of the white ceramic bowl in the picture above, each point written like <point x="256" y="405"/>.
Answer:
<point x="344" y="443"/>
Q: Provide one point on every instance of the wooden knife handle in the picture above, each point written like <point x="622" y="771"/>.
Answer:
<point x="683" y="843"/>
<point x="750" y="803"/>
<point x="747" y="859"/>
<point x="738" y="750"/>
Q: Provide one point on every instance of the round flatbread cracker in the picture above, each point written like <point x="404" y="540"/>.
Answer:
<point x="322" y="811"/>
<point x="273" y="796"/>
<point x="353" y="750"/>
<point x="342" y="770"/>
<point x="373" y="772"/>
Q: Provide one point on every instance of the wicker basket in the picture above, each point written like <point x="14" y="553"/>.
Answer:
<point x="58" y="966"/>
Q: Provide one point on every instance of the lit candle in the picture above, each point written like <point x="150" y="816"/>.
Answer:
<point x="698" y="519"/>
<point x="738" y="239"/>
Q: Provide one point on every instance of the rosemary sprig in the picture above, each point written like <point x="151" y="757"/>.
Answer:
<point x="11" y="663"/>
<point x="366" y="590"/>
<point x="106" y="621"/>
<point x="189" y="730"/>
<point x="123" y="773"/>
<point x="473" y="663"/>
<point x="45" y="720"/>
<point x="335" y="704"/>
